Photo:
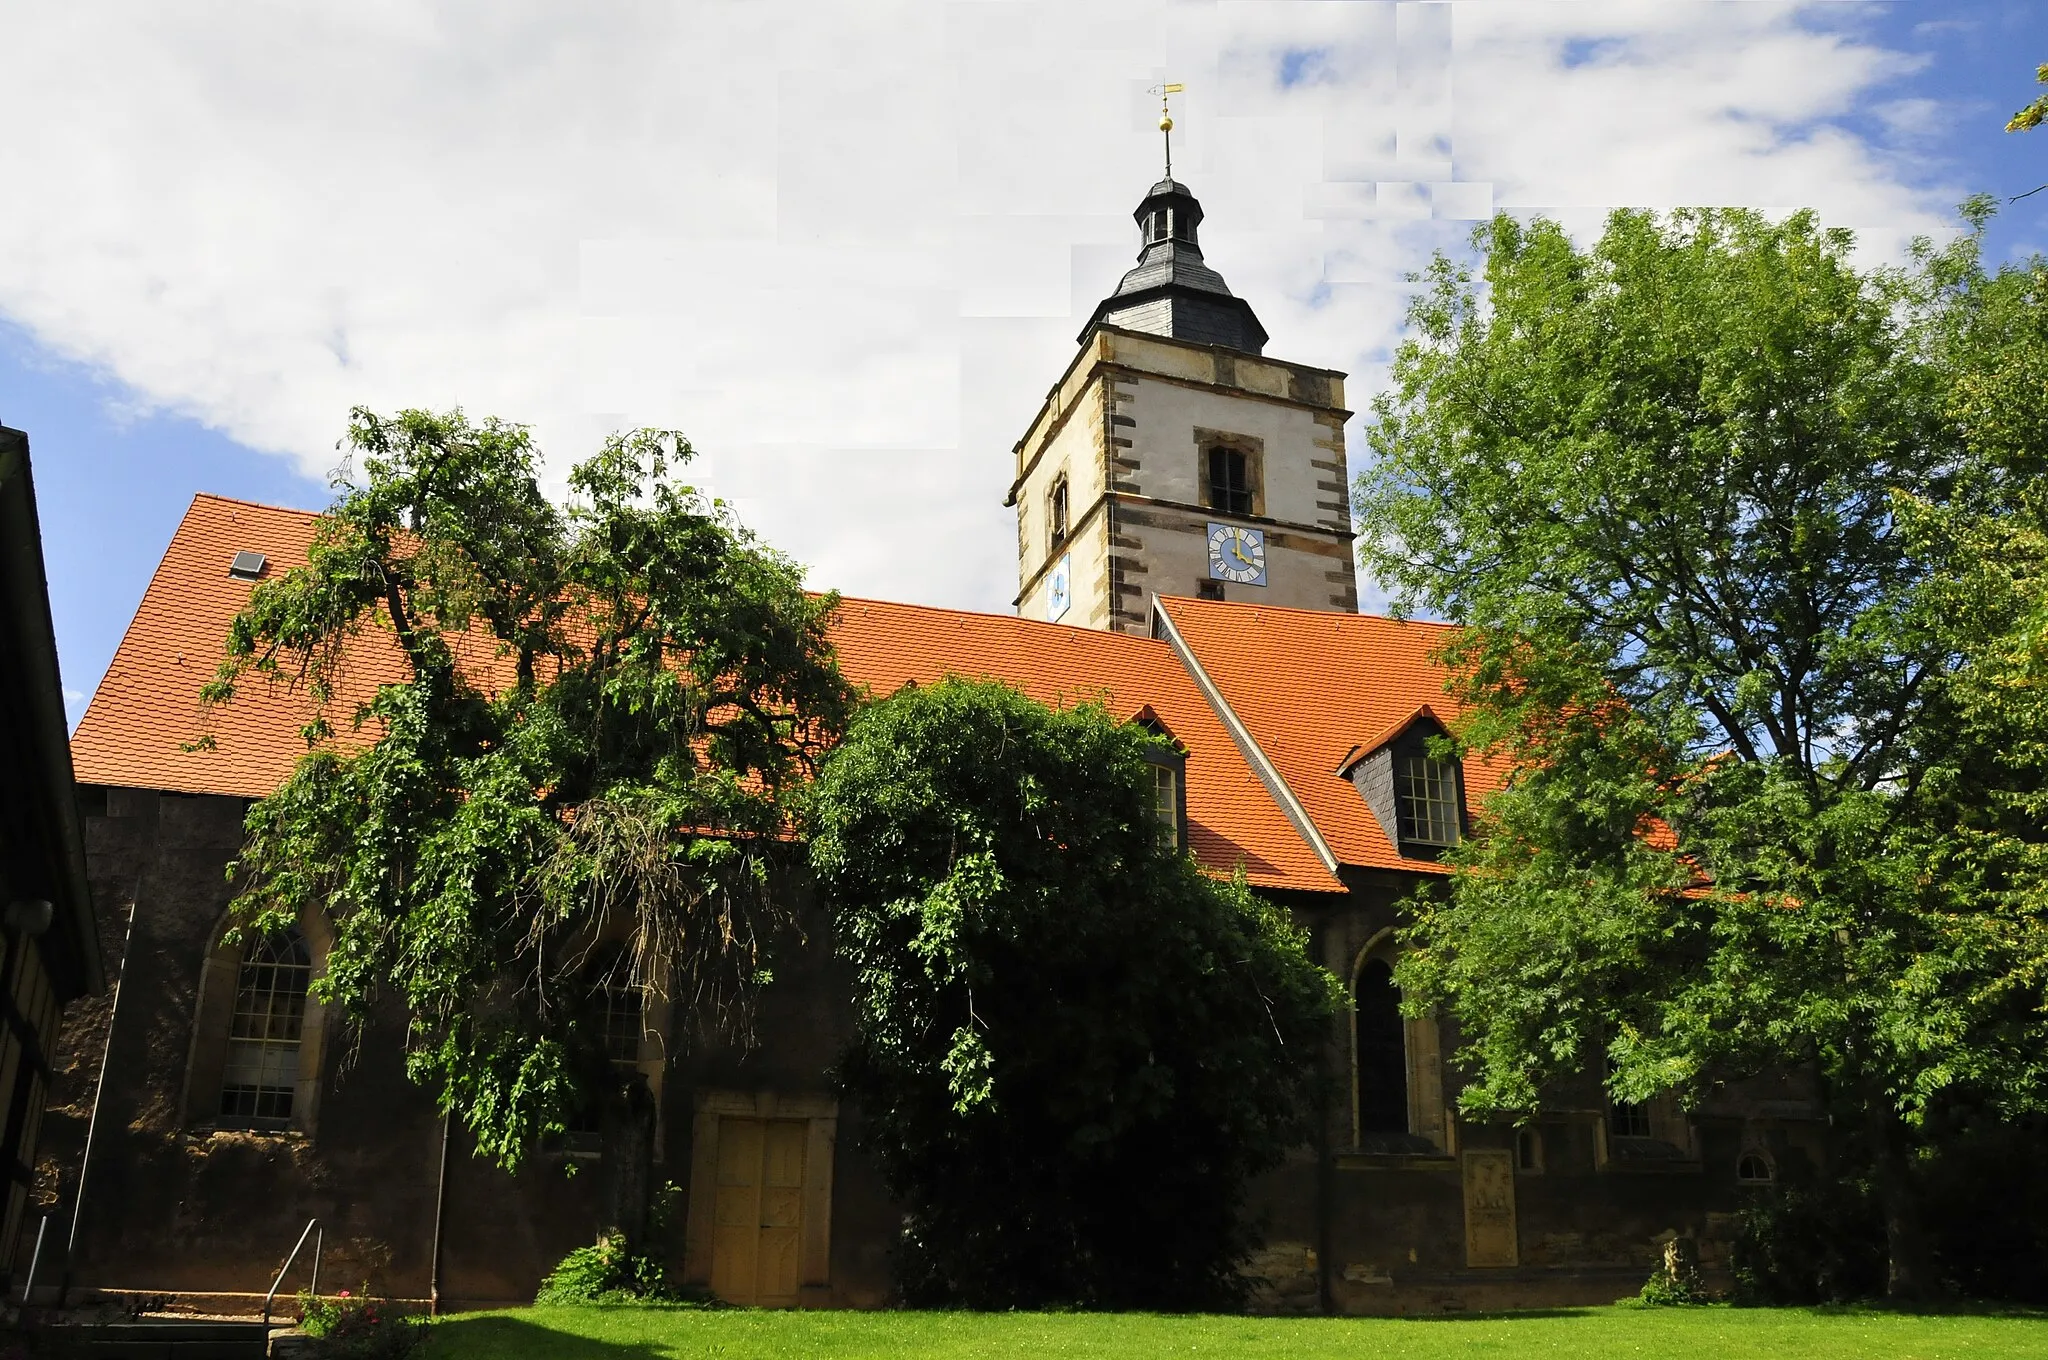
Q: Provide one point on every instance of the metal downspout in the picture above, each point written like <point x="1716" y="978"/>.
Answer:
<point x="440" y="1210"/>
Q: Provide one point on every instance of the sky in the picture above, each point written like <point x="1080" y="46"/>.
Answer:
<point x="845" y="248"/>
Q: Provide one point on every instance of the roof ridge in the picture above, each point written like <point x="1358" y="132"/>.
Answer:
<point x="1066" y="629"/>
<point x="1306" y="610"/>
<point x="199" y="496"/>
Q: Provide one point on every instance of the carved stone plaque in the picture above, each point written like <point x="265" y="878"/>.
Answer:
<point x="1489" y="1207"/>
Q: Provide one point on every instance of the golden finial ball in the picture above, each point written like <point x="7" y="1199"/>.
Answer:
<point x="1165" y="124"/>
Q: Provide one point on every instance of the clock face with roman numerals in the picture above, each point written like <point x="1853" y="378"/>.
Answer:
<point x="1237" y="553"/>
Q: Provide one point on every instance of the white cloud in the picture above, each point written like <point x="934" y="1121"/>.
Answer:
<point x="845" y="247"/>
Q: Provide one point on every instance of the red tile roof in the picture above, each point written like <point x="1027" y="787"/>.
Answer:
<point x="1232" y="819"/>
<point x="1311" y="687"/>
<point x="147" y="706"/>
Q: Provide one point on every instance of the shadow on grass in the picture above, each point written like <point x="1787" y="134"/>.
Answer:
<point x="508" y="1338"/>
<point x="1507" y="1315"/>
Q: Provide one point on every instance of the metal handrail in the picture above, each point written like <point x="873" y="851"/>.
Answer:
<point x="35" y="1260"/>
<point x="271" y="1297"/>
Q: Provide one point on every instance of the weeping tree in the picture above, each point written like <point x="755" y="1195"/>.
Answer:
<point x="552" y="763"/>
<point x="1708" y="496"/>
<point x="1072" y="1049"/>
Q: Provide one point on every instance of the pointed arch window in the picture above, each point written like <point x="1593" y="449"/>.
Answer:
<point x="1056" y="512"/>
<point x="1382" y="1050"/>
<point x="620" y="1010"/>
<point x="259" y="1082"/>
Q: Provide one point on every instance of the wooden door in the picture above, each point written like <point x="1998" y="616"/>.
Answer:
<point x="759" y="1211"/>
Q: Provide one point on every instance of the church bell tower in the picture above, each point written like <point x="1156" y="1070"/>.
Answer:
<point x="1174" y="458"/>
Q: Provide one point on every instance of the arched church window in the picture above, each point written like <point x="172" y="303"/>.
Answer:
<point x="619" y="1011"/>
<point x="260" y="1078"/>
<point x="1382" y="1050"/>
<point x="1230" y="481"/>
<point x="1056" y="511"/>
<point x="1628" y="1119"/>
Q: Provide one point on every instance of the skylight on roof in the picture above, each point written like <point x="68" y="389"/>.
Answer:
<point x="247" y="565"/>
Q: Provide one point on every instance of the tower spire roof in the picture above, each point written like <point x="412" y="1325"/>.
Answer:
<point x="1172" y="291"/>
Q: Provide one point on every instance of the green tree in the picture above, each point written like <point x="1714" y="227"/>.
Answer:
<point x="1072" y="1049"/>
<point x="1661" y="480"/>
<point x="586" y="760"/>
<point x="2034" y="114"/>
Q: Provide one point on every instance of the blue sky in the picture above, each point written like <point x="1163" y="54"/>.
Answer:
<point x="198" y="316"/>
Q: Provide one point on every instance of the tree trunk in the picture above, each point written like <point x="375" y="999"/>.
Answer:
<point x="628" y="1139"/>
<point x="1910" y="1273"/>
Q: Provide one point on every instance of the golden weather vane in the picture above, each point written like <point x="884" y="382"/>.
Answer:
<point x="1166" y="118"/>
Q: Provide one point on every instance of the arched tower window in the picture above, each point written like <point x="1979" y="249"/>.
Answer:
<point x="1056" y="512"/>
<point x="1382" y="1051"/>
<point x="260" y="1077"/>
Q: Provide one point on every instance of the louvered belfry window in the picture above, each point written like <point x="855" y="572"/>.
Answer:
<point x="262" y="1072"/>
<point x="1230" y="481"/>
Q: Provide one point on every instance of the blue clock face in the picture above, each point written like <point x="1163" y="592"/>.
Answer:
<point x="1059" y="591"/>
<point x="1237" y="553"/>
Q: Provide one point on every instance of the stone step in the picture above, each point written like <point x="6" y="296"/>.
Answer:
<point x="161" y="1339"/>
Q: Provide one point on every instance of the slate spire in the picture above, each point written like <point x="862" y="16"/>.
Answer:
<point x="1171" y="291"/>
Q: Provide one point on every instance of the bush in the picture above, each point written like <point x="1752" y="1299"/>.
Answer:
<point x="611" y="1271"/>
<point x="607" y="1271"/>
<point x="1676" y="1283"/>
<point x="1821" y="1242"/>
<point x="1072" y="1048"/>
<point x="356" y="1327"/>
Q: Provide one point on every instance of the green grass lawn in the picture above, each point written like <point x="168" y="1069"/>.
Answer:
<point x="1719" y="1333"/>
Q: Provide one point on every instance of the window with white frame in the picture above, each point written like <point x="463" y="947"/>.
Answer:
<point x="261" y="1075"/>
<point x="1166" y="799"/>
<point x="1427" y="800"/>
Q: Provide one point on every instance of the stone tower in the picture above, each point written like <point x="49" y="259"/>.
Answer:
<point x="1173" y="458"/>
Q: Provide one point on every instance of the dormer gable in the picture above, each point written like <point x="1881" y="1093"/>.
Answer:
<point x="1418" y="800"/>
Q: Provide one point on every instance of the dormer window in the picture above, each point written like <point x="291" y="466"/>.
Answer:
<point x="1427" y="800"/>
<point x="1168" y="760"/>
<point x="1417" y="798"/>
<point x="1166" y="799"/>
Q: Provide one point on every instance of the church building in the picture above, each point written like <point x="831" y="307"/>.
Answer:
<point x="1184" y="555"/>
